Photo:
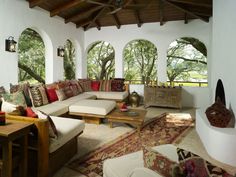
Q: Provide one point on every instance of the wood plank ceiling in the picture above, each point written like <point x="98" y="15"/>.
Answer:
<point x="98" y="13"/>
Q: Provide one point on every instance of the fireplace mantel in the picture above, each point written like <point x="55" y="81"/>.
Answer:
<point x="220" y="143"/>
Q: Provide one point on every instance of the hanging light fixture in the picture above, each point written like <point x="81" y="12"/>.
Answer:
<point x="60" y="51"/>
<point x="10" y="44"/>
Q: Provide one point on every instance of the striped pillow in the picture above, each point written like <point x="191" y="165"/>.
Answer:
<point x="105" y="85"/>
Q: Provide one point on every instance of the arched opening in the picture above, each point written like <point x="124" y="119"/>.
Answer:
<point x="31" y="52"/>
<point x="140" y="62"/>
<point x="69" y="61"/>
<point x="187" y="62"/>
<point x="100" y="61"/>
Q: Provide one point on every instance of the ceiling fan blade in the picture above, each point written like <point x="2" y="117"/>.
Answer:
<point x="98" y="3"/>
<point x="115" y="11"/>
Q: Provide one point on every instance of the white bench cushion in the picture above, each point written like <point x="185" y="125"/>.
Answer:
<point x="67" y="129"/>
<point x="124" y="165"/>
<point x="109" y="95"/>
<point x="98" y="107"/>
<point x="76" y="98"/>
<point x="53" y="109"/>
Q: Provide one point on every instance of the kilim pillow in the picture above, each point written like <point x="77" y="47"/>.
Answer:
<point x="61" y="94"/>
<point x="194" y="165"/>
<point x="68" y="92"/>
<point x="22" y="87"/>
<point x="36" y="96"/>
<point x="43" y="94"/>
<point x="2" y="91"/>
<point x="85" y="84"/>
<point x="117" y="85"/>
<point x="158" y="162"/>
<point x="16" y="98"/>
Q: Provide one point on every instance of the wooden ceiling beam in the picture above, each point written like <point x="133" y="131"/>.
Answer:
<point x="65" y="6"/>
<point x="161" y="12"/>
<point x="116" y="19"/>
<point x="89" y="11"/>
<point x="83" y="23"/>
<point x="98" y="15"/>
<point x="184" y="9"/>
<point x="98" y="24"/>
<point x="34" y="3"/>
<point x="185" y="18"/>
<point x="201" y="3"/>
<point x="137" y="15"/>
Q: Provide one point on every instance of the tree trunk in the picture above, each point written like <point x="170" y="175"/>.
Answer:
<point x="31" y="73"/>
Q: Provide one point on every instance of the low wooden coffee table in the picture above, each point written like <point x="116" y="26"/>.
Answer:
<point x="132" y="116"/>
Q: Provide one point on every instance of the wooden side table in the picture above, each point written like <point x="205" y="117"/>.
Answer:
<point x="8" y="133"/>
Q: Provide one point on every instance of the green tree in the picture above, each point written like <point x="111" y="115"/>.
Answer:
<point x="31" y="52"/>
<point x="140" y="60"/>
<point x="69" y="58"/>
<point x="101" y="61"/>
<point x="186" y="60"/>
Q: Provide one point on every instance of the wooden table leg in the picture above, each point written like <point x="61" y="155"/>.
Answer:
<point x="7" y="159"/>
<point x="23" y="156"/>
<point x="111" y="124"/>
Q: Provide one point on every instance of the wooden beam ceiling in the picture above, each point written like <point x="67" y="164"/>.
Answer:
<point x="81" y="14"/>
<point x="98" y="15"/>
<point x="65" y="6"/>
<point x="202" y="3"/>
<point x="186" y="10"/>
<point x="34" y="3"/>
<point x="116" y="19"/>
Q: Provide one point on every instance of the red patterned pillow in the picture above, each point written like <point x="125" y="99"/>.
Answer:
<point x="95" y="85"/>
<point x="117" y="85"/>
<point x="194" y="165"/>
<point x="158" y="162"/>
<point x="30" y="112"/>
<point x="52" y="95"/>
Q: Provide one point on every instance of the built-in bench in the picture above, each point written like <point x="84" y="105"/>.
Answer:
<point x="47" y="155"/>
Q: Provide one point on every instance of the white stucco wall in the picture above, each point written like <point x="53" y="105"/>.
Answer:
<point x="15" y="17"/>
<point x="223" y="49"/>
<point x="161" y="37"/>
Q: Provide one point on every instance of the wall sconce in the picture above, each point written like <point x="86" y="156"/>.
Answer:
<point x="10" y="44"/>
<point x="60" y="51"/>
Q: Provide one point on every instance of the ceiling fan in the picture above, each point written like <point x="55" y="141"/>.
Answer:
<point x="118" y="5"/>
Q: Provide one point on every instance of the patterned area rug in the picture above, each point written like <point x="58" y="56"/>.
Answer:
<point x="165" y="129"/>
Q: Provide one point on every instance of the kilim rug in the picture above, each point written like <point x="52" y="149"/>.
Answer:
<point x="164" y="129"/>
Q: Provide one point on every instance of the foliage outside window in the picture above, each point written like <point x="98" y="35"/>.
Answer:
<point x="101" y="61"/>
<point x="31" y="62"/>
<point x="187" y="62"/>
<point x="140" y="61"/>
<point x="69" y="58"/>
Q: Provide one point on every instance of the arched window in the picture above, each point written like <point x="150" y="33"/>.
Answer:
<point x="101" y="61"/>
<point x="187" y="62"/>
<point x="69" y="61"/>
<point x="31" y="51"/>
<point x="140" y="62"/>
